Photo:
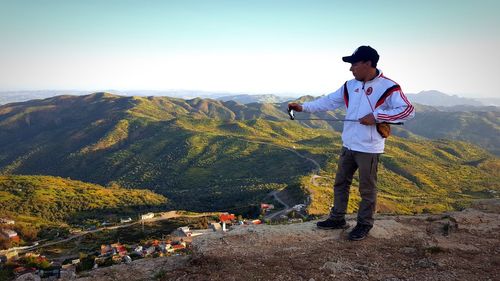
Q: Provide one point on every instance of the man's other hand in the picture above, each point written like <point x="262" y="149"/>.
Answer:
<point x="295" y="107"/>
<point x="368" y="119"/>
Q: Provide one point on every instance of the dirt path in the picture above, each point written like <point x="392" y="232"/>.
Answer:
<point x="313" y="180"/>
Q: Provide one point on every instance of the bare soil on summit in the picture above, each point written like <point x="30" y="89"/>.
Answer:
<point x="453" y="246"/>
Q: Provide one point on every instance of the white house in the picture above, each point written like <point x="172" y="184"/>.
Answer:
<point x="299" y="207"/>
<point x="185" y="230"/>
<point x="8" y="233"/>
<point x="125" y="220"/>
<point x="6" y="221"/>
<point x="147" y="216"/>
<point x="138" y="249"/>
<point x="215" y="226"/>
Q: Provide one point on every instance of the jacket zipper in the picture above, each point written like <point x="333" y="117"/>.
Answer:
<point x="371" y="107"/>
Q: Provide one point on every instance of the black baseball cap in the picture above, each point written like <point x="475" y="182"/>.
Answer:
<point x="363" y="53"/>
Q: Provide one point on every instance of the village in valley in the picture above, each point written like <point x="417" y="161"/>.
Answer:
<point x="32" y="260"/>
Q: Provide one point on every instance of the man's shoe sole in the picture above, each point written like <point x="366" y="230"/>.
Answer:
<point x="357" y="238"/>
<point x="346" y="226"/>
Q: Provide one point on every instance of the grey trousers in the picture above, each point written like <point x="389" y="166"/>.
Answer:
<point x="349" y="162"/>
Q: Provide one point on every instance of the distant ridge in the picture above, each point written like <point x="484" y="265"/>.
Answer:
<point x="490" y="101"/>
<point x="436" y="98"/>
<point x="245" y="99"/>
<point x="432" y="98"/>
<point x="20" y="96"/>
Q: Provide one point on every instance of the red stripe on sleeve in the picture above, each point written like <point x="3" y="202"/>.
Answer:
<point x="409" y="109"/>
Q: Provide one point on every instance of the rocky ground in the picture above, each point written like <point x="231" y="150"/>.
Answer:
<point x="453" y="246"/>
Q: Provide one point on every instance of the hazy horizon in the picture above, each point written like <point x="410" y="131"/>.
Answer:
<point x="257" y="47"/>
<point x="217" y="93"/>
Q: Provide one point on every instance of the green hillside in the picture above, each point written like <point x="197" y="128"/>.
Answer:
<point x="477" y="125"/>
<point x="62" y="200"/>
<point x="204" y="154"/>
<point x="420" y="176"/>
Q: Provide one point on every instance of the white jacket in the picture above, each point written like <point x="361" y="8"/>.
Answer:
<point x="382" y="96"/>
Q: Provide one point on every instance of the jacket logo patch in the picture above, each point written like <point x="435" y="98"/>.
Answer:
<point x="357" y="90"/>
<point x="369" y="91"/>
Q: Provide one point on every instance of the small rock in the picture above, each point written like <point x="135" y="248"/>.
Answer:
<point x="408" y="250"/>
<point x="391" y="277"/>
<point x="362" y="268"/>
<point x="441" y="264"/>
<point x="426" y="263"/>
<point x="474" y="220"/>
<point x="442" y="244"/>
<point x="337" y="267"/>
<point x="28" y="277"/>
<point x="387" y="229"/>
<point x="436" y="217"/>
<point x="487" y="205"/>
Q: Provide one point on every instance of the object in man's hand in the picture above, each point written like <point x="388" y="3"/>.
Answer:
<point x="384" y="129"/>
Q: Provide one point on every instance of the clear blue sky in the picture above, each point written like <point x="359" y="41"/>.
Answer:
<point x="260" y="46"/>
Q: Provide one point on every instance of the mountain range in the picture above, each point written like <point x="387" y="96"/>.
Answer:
<point x="205" y="154"/>
<point x="19" y="96"/>
<point x="432" y="98"/>
<point x="436" y="98"/>
<point x="246" y="99"/>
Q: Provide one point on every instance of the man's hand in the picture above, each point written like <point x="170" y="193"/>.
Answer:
<point x="367" y="120"/>
<point x="295" y="107"/>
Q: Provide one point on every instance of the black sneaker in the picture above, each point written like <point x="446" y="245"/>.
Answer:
<point x="359" y="232"/>
<point x="332" y="224"/>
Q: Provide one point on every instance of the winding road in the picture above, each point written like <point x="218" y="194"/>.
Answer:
<point x="275" y="193"/>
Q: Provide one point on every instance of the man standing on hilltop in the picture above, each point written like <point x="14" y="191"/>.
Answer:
<point x="374" y="100"/>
